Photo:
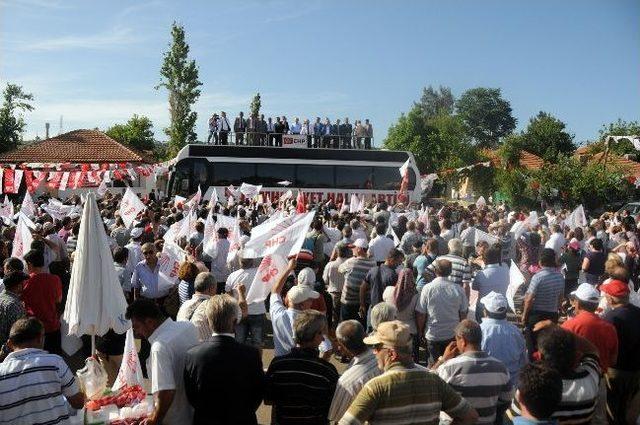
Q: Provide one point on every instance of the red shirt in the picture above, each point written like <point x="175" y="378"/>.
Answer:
<point x="599" y="332"/>
<point x="41" y="294"/>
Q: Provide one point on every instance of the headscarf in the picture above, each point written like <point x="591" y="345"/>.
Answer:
<point x="404" y="290"/>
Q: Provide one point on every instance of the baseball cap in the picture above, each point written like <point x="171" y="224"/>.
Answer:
<point x="392" y="334"/>
<point x="301" y="293"/>
<point x="574" y="244"/>
<point x="136" y="232"/>
<point x="307" y="277"/>
<point x="615" y="288"/>
<point x="494" y="302"/>
<point x="361" y="243"/>
<point x="587" y="292"/>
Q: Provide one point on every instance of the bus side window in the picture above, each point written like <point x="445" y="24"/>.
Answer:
<point x="353" y="177"/>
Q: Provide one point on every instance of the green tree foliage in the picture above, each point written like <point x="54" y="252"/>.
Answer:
<point x="436" y="102"/>
<point x="546" y="136"/>
<point x="437" y="143"/>
<point x="179" y="76"/>
<point x="15" y="101"/>
<point x="618" y="128"/>
<point x="510" y="150"/>
<point x="256" y="103"/>
<point x="486" y="114"/>
<point x="136" y="133"/>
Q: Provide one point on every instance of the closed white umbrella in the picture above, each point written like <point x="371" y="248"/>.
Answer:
<point x="95" y="302"/>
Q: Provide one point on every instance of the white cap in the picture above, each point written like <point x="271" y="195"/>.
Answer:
<point x="361" y="243"/>
<point x="136" y="232"/>
<point x="307" y="277"/>
<point x="587" y="292"/>
<point x="494" y="302"/>
<point x="300" y="293"/>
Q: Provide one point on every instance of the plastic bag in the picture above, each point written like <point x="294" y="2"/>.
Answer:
<point x="93" y="378"/>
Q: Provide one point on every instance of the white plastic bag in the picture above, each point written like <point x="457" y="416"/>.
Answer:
<point x="93" y="378"/>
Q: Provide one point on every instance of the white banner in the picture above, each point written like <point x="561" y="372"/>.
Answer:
<point x="250" y="190"/>
<point x="484" y="236"/>
<point x="354" y="204"/>
<point x="169" y="261"/>
<point x="130" y="207"/>
<point x="280" y="238"/>
<point x="178" y="200"/>
<point x="6" y="209"/>
<point x="130" y="372"/>
<point x="209" y="240"/>
<point x="516" y="279"/>
<point x="269" y="269"/>
<point x="577" y="218"/>
<point x="294" y="141"/>
<point x="102" y="188"/>
<point x="22" y="239"/>
<point x="28" y="206"/>
<point x="195" y="200"/>
<point x="233" y="226"/>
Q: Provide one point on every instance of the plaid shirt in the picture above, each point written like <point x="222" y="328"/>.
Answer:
<point x="11" y="309"/>
<point x="460" y="269"/>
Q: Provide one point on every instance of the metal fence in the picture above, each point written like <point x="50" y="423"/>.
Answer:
<point x="252" y="138"/>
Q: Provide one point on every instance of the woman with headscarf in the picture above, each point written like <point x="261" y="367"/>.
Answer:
<point x="404" y="297"/>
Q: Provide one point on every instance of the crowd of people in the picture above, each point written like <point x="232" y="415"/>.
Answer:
<point x="256" y="131"/>
<point x="418" y="302"/>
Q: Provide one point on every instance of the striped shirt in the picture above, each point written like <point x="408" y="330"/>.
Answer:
<point x="404" y="396"/>
<point x="363" y="368"/>
<point x="482" y="380"/>
<point x="300" y="386"/>
<point x="547" y="286"/>
<point x="33" y="384"/>
<point x="460" y="269"/>
<point x="354" y="269"/>
<point x="579" y="395"/>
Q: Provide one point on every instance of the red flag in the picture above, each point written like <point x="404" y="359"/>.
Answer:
<point x="9" y="186"/>
<point x="301" y="207"/>
<point x="54" y="179"/>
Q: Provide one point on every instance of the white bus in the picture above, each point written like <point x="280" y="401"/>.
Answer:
<point x="321" y="174"/>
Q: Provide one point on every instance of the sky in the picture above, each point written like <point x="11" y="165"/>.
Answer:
<point x="96" y="63"/>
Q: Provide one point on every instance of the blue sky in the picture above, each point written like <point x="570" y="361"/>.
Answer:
<point x="96" y="63"/>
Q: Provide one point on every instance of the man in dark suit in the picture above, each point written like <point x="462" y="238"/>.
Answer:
<point x="345" y="131"/>
<point x="239" y="127"/>
<point x="336" y="133"/>
<point x="224" y="380"/>
<point x="279" y="130"/>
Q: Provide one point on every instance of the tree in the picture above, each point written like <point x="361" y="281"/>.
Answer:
<point x="618" y="128"/>
<point x="179" y="76"/>
<point x="437" y="143"/>
<point x="435" y="102"/>
<point x="255" y="105"/>
<point x="11" y="120"/>
<point x="546" y="137"/>
<point x="136" y="133"/>
<point x="486" y="114"/>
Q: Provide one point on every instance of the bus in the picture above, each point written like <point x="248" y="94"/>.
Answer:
<point x="321" y="174"/>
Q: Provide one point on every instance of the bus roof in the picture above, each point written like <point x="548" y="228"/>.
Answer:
<point x="202" y="150"/>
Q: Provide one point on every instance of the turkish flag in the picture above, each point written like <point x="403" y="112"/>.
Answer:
<point x="9" y="180"/>
<point x="301" y="207"/>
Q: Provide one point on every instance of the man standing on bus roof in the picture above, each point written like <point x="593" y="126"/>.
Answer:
<point x="213" y="128"/>
<point x="335" y="132"/>
<point x="239" y="127"/>
<point x="224" y="128"/>
<point x="318" y="131"/>
<point x="271" y="138"/>
<point x="279" y="129"/>
<point x="296" y="127"/>
<point x="326" y="131"/>
<point x="345" y="132"/>
<point x="262" y="129"/>
<point x="369" y="134"/>
<point x="285" y="124"/>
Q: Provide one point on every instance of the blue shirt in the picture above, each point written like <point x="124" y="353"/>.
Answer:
<point x="546" y="286"/>
<point x="282" y="322"/>
<point x="420" y="265"/>
<point x="504" y="341"/>
<point x="146" y="280"/>
<point x="494" y="277"/>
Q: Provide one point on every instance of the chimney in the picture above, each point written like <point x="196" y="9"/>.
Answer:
<point x="46" y="130"/>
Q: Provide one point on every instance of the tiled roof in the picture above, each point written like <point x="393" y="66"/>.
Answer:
<point x="632" y="168"/>
<point x="77" y="146"/>
<point x="527" y="159"/>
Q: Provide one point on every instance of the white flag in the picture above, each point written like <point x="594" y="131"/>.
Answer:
<point x="250" y="190"/>
<point x="195" y="200"/>
<point x="233" y="226"/>
<point x="392" y="233"/>
<point x="404" y="168"/>
<point x="170" y="259"/>
<point x="130" y="372"/>
<point x="288" y="194"/>
<point x="64" y="180"/>
<point x="354" y="204"/>
<point x="270" y="268"/>
<point x="130" y="207"/>
<point x="214" y="198"/>
<point x="6" y="209"/>
<point x="28" y="206"/>
<point x="481" y="202"/>
<point x="516" y="278"/>
<point x="178" y="200"/>
<point x="518" y="229"/>
<point x="286" y="241"/>
<point x="209" y="240"/>
<point x="17" y="179"/>
<point x="577" y="218"/>
<point x="233" y="191"/>
<point x="22" y="239"/>
<point x="102" y="188"/>
<point x="484" y="236"/>
<point x="533" y="219"/>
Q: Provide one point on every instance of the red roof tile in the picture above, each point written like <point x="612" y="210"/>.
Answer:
<point x="527" y="159"/>
<point x="77" y="146"/>
<point x="632" y="168"/>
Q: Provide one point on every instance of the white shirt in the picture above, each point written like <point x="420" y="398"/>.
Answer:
<point x="332" y="277"/>
<point x="219" y="267"/>
<point x="556" y="242"/>
<point x="223" y="124"/>
<point x="185" y="313"/>
<point x="246" y="277"/>
<point x="379" y="247"/>
<point x="169" y="344"/>
<point x="135" y="255"/>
